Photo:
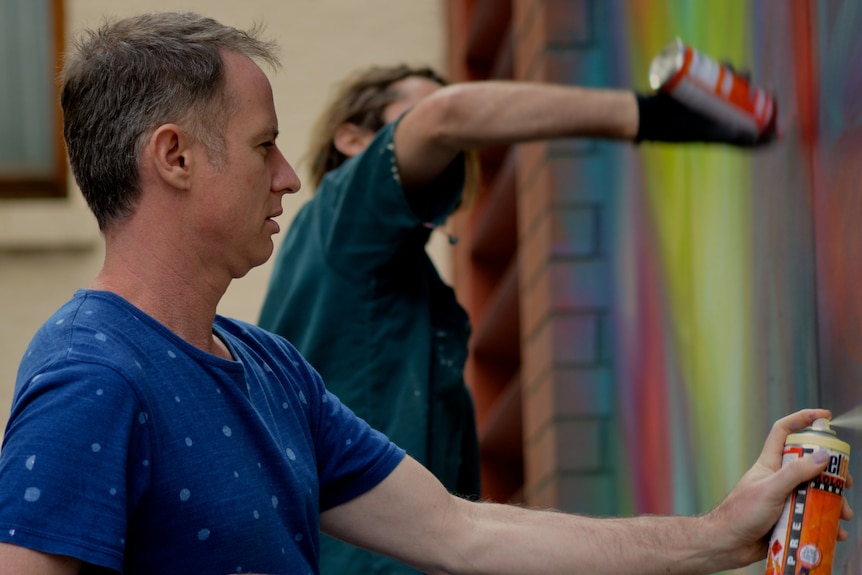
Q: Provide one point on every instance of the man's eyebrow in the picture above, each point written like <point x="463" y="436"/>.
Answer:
<point x="269" y="133"/>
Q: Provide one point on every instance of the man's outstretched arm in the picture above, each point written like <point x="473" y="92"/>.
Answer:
<point x="473" y="115"/>
<point x="411" y="517"/>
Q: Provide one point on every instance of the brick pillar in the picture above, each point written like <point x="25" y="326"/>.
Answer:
<point x="564" y="282"/>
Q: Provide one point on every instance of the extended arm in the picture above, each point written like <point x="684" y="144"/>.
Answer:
<point x="481" y="114"/>
<point x="411" y="517"/>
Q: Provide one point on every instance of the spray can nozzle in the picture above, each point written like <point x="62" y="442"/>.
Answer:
<point x="822" y="424"/>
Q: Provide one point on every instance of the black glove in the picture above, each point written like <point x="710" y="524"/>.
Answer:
<point x="664" y="119"/>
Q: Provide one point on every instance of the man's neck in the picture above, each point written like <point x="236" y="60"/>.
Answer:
<point x="184" y="302"/>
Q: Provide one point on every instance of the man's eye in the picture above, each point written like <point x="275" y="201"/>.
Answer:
<point x="268" y="144"/>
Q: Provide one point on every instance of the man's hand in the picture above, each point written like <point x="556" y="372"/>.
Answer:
<point x="746" y="517"/>
<point x="664" y="119"/>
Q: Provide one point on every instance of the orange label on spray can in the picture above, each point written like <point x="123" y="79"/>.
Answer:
<point x="803" y="540"/>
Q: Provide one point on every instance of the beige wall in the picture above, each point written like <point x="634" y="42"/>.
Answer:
<point x="48" y="249"/>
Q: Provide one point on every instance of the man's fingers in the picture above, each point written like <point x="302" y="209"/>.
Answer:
<point x="843" y="535"/>
<point x="846" y="511"/>
<point x="774" y="445"/>
<point x="800" y="470"/>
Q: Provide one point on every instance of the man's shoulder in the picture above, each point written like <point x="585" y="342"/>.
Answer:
<point x="92" y="329"/>
<point x="374" y="165"/>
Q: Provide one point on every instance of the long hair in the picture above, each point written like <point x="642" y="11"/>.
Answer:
<point x="360" y="100"/>
<point x="130" y="76"/>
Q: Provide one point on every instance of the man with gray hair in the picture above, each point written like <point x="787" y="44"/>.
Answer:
<point x="150" y="435"/>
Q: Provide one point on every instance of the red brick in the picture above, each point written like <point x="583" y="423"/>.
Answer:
<point x="547" y="24"/>
<point x="563" y="287"/>
<point x="570" y="340"/>
<point x="557" y="180"/>
<point x="567" y="22"/>
<point x="566" y="446"/>
<point x="572" y="67"/>
<point x="565" y="233"/>
<point x="534" y="252"/>
<point x="566" y="392"/>
<point x="530" y="157"/>
<point x="576" y="339"/>
<point x="578" y="286"/>
<point x="529" y="40"/>
<point x="536" y="192"/>
<point x="537" y="358"/>
<point x="522" y="11"/>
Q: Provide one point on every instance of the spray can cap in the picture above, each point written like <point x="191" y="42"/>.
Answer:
<point x="822" y="424"/>
<point x="821" y="433"/>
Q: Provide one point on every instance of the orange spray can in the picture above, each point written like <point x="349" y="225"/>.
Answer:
<point x="714" y="89"/>
<point x="803" y="540"/>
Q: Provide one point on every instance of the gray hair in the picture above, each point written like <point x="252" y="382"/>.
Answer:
<point x="130" y="76"/>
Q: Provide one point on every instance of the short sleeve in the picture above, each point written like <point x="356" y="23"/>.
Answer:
<point x="69" y="476"/>
<point x="361" y="213"/>
<point x="356" y="457"/>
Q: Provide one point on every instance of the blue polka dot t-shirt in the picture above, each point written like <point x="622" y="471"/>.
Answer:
<point x="130" y="449"/>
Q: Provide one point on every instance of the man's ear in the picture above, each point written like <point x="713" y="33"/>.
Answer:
<point x="351" y="140"/>
<point x="169" y="149"/>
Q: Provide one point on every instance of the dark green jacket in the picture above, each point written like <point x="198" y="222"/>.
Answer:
<point x="354" y="290"/>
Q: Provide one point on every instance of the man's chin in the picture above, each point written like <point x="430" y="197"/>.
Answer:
<point x="255" y="262"/>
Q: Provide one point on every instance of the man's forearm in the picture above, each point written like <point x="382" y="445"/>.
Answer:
<point x="516" y="540"/>
<point x="411" y="516"/>
<point x="481" y="114"/>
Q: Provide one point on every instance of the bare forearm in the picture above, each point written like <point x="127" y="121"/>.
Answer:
<point x="493" y="113"/>
<point x="481" y="114"/>
<point x="515" y="540"/>
<point x="411" y="517"/>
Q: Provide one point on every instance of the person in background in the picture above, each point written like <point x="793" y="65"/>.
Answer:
<point x="353" y="287"/>
<point x="149" y="435"/>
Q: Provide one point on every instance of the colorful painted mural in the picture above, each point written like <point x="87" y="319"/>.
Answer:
<point x="738" y="271"/>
